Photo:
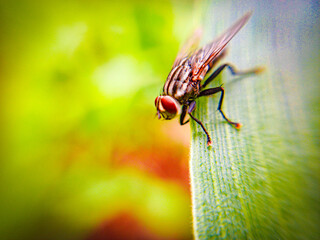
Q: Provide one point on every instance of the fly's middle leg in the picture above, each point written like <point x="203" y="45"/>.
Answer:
<point x="212" y="91"/>
<point x="233" y="72"/>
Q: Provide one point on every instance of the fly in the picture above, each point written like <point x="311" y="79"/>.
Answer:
<point x="184" y="82"/>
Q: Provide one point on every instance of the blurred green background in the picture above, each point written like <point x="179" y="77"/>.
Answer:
<point x="83" y="156"/>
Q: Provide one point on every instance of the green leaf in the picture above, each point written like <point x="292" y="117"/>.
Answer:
<point x="262" y="182"/>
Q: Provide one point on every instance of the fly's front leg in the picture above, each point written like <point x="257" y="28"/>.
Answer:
<point x="183" y="115"/>
<point x="212" y="91"/>
<point x="187" y="109"/>
<point x="190" y="110"/>
<point x="232" y="70"/>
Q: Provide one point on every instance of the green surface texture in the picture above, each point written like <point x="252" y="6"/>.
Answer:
<point x="262" y="182"/>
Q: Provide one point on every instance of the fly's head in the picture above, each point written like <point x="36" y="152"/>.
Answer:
<point x="167" y="107"/>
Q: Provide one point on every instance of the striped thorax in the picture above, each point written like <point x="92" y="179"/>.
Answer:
<point x="179" y="84"/>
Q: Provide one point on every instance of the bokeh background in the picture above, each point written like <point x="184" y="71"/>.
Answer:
<point x="82" y="154"/>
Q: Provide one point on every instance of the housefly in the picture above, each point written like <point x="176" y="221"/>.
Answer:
<point x="184" y="82"/>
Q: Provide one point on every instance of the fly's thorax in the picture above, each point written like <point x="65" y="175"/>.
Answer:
<point x="179" y="84"/>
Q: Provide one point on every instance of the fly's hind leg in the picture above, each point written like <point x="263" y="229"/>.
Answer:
<point x="233" y="72"/>
<point x="212" y="91"/>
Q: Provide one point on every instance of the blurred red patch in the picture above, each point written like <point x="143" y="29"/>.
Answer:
<point x="122" y="227"/>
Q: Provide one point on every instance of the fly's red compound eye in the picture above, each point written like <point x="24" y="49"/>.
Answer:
<point x="156" y="101"/>
<point x="169" y="104"/>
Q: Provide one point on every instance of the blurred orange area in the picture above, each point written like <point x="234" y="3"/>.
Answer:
<point x="166" y="162"/>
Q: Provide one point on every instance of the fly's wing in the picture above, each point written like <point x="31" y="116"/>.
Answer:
<point x="209" y="52"/>
<point x="190" y="45"/>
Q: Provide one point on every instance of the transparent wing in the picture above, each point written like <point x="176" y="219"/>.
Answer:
<point x="190" y="45"/>
<point x="209" y="52"/>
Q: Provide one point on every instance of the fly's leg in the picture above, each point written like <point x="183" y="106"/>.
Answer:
<point x="212" y="91"/>
<point x="232" y="70"/>
<point x="191" y="108"/>
<point x="218" y="58"/>
<point x="209" y="142"/>
<point x="183" y="115"/>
